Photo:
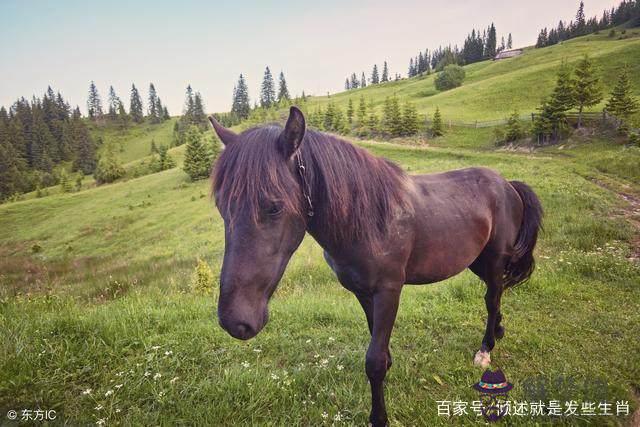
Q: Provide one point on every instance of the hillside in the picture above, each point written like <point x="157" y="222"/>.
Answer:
<point x="100" y="320"/>
<point x="493" y="89"/>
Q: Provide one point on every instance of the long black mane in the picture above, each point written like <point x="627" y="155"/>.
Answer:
<point x="354" y="193"/>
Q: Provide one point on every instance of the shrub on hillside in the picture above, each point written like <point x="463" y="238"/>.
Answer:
<point x="109" y="168"/>
<point x="450" y="77"/>
<point x="202" y="280"/>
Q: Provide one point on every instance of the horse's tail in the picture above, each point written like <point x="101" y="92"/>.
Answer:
<point x="522" y="264"/>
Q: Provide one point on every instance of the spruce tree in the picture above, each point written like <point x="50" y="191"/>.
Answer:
<point x="86" y="158"/>
<point x="153" y="104"/>
<point x="580" y="24"/>
<point x="267" y="92"/>
<point x="437" y="126"/>
<point x="375" y="78"/>
<point x="199" y="116"/>
<point x="385" y="73"/>
<point x="491" y="43"/>
<point x="363" y="80"/>
<point x="509" y="42"/>
<point x="514" y="129"/>
<point x="283" y="90"/>
<point x="621" y="103"/>
<point x="135" y="105"/>
<point x="410" y="123"/>
<point x="347" y="84"/>
<point x="241" y="105"/>
<point x="197" y="158"/>
<point x="94" y="103"/>
<point x="114" y="104"/>
<point x="355" y="84"/>
<point x="587" y="90"/>
<point x="350" y="111"/>
<point x="362" y="110"/>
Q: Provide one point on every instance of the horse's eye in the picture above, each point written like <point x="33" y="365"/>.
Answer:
<point x="274" y="210"/>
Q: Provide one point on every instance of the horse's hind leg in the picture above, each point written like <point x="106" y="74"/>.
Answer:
<point x="490" y="269"/>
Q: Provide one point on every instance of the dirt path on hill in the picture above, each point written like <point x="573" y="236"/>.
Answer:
<point x="630" y="210"/>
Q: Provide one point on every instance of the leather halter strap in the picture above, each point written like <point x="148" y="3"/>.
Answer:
<point x="306" y="189"/>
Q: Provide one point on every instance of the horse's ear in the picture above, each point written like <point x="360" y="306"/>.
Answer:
<point x="226" y="136"/>
<point x="293" y="132"/>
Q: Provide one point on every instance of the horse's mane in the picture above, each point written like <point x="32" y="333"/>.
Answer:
<point x="355" y="194"/>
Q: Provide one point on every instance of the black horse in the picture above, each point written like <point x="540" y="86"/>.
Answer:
<point x="379" y="227"/>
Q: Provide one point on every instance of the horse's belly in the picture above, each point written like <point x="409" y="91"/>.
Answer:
<point x="443" y="257"/>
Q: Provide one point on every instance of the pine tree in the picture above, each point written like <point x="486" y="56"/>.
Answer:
<point x="268" y="92"/>
<point x="362" y="110"/>
<point x="621" y="103"/>
<point x="514" y="129"/>
<point x="347" y="84"/>
<point x="94" y="103"/>
<point x="509" y="42"/>
<point x="355" y="84"/>
<point x="283" y="90"/>
<point x="363" y="80"/>
<point x="153" y="104"/>
<point x="410" y="123"/>
<point x="199" y="116"/>
<point x="114" y="104"/>
<point x="392" y="119"/>
<point x="490" y="45"/>
<point x="375" y="78"/>
<point x="437" y="127"/>
<point x="85" y="148"/>
<point x="135" y="105"/>
<point x="329" y="117"/>
<point x="241" y="105"/>
<point x="350" y="111"/>
<point x="385" y="73"/>
<point x="580" y="24"/>
<point x="197" y="158"/>
<point x="587" y="90"/>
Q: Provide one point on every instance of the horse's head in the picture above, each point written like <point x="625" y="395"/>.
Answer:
<point x="259" y="195"/>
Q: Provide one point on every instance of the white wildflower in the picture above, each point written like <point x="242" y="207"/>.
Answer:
<point x="339" y="367"/>
<point x="325" y="415"/>
<point x="168" y="353"/>
<point x="108" y="393"/>
<point x="147" y="373"/>
<point x="157" y="375"/>
<point x="174" y="379"/>
<point x="86" y="392"/>
<point x="118" y="386"/>
<point x="245" y="364"/>
<point x="275" y="377"/>
<point x="98" y="408"/>
<point x="101" y="422"/>
<point x="337" y="417"/>
<point x="155" y="347"/>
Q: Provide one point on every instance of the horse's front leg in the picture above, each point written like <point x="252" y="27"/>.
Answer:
<point x="378" y="361"/>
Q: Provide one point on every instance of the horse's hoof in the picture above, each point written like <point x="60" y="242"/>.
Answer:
<point x="482" y="359"/>
<point x="499" y="332"/>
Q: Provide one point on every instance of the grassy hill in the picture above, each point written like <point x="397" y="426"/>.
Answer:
<point x="493" y="89"/>
<point x="99" y="319"/>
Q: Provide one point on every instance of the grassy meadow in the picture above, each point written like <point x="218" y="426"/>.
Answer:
<point x="99" y="321"/>
<point x="492" y="90"/>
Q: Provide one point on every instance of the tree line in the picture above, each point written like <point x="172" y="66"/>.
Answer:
<point x="626" y="11"/>
<point x="116" y="112"/>
<point x="376" y="77"/>
<point x="37" y="135"/>
<point x="577" y="88"/>
<point x="477" y="47"/>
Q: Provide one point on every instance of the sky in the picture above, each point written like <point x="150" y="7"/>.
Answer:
<point x="66" y="44"/>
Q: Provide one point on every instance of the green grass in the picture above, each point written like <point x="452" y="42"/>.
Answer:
<point x="112" y="281"/>
<point x="134" y="142"/>
<point x="493" y="89"/>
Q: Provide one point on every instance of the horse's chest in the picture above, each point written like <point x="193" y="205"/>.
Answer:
<point x="352" y="277"/>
